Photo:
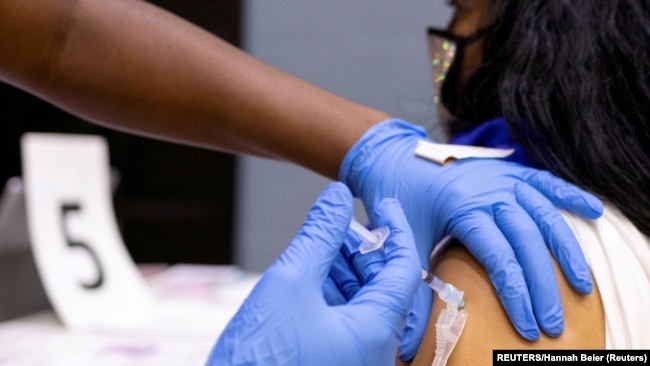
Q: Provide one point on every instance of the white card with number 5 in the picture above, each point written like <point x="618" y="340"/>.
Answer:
<point x="85" y="268"/>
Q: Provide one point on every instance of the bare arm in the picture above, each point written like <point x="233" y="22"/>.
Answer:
<point x="129" y="65"/>
<point x="488" y="327"/>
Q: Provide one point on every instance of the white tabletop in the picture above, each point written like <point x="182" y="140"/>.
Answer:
<point x="195" y="304"/>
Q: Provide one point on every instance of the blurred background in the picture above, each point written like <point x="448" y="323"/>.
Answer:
<point x="177" y="204"/>
<point x="173" y="202"/>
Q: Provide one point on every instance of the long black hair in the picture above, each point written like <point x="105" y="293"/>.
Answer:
<point x="572" y="79"/>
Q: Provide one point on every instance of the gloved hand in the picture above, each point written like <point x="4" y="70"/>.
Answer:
<point x="351" y="269"/>
<point x="502" y="212"/>
<point x="286" y="320"/>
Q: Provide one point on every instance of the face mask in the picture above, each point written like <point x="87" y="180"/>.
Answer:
<point x="446" y="52"/>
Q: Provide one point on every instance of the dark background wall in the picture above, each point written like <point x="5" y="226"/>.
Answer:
<point x="174" y="203"/>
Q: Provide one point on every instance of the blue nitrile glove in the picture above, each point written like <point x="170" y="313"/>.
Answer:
<point x="286" y="320"/>
<point x="351" y="269"/>
<point x="502" y="212"/>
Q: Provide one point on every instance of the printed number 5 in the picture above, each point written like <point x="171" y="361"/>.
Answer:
<point x="66" y="208"/>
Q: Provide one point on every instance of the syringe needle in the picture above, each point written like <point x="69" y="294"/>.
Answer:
<point x="373" y="240"/>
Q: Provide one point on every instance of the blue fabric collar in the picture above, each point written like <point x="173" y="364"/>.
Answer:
<point x="493" y="133"/>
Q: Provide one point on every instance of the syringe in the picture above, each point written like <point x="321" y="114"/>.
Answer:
<point x="374" y="240"/>
<point x="447" y="292"/>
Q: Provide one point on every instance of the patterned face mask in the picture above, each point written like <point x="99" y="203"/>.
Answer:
<point x="444" y="49"/>
<point x="442" y="52"/>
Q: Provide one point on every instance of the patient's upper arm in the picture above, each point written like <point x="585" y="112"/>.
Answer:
<point x="488" y="326"/>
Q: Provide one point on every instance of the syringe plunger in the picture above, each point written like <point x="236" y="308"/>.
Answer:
<point x="372" y="240"/>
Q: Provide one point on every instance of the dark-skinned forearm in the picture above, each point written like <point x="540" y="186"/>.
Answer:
<point x="131" y="66"/>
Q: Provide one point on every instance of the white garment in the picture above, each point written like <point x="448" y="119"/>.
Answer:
<point x="619" y="257"/>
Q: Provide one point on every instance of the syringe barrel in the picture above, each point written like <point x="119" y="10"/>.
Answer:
<point x="432" y="281"/>
<point x="446" y="291"/>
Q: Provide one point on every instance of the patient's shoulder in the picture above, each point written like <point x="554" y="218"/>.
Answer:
<point x="488" y="326"/>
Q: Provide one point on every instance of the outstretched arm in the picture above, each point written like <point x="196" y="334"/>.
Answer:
<point x="131" y="66"/>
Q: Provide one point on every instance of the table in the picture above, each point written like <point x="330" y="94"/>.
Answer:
<point x="194" y="305"/>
